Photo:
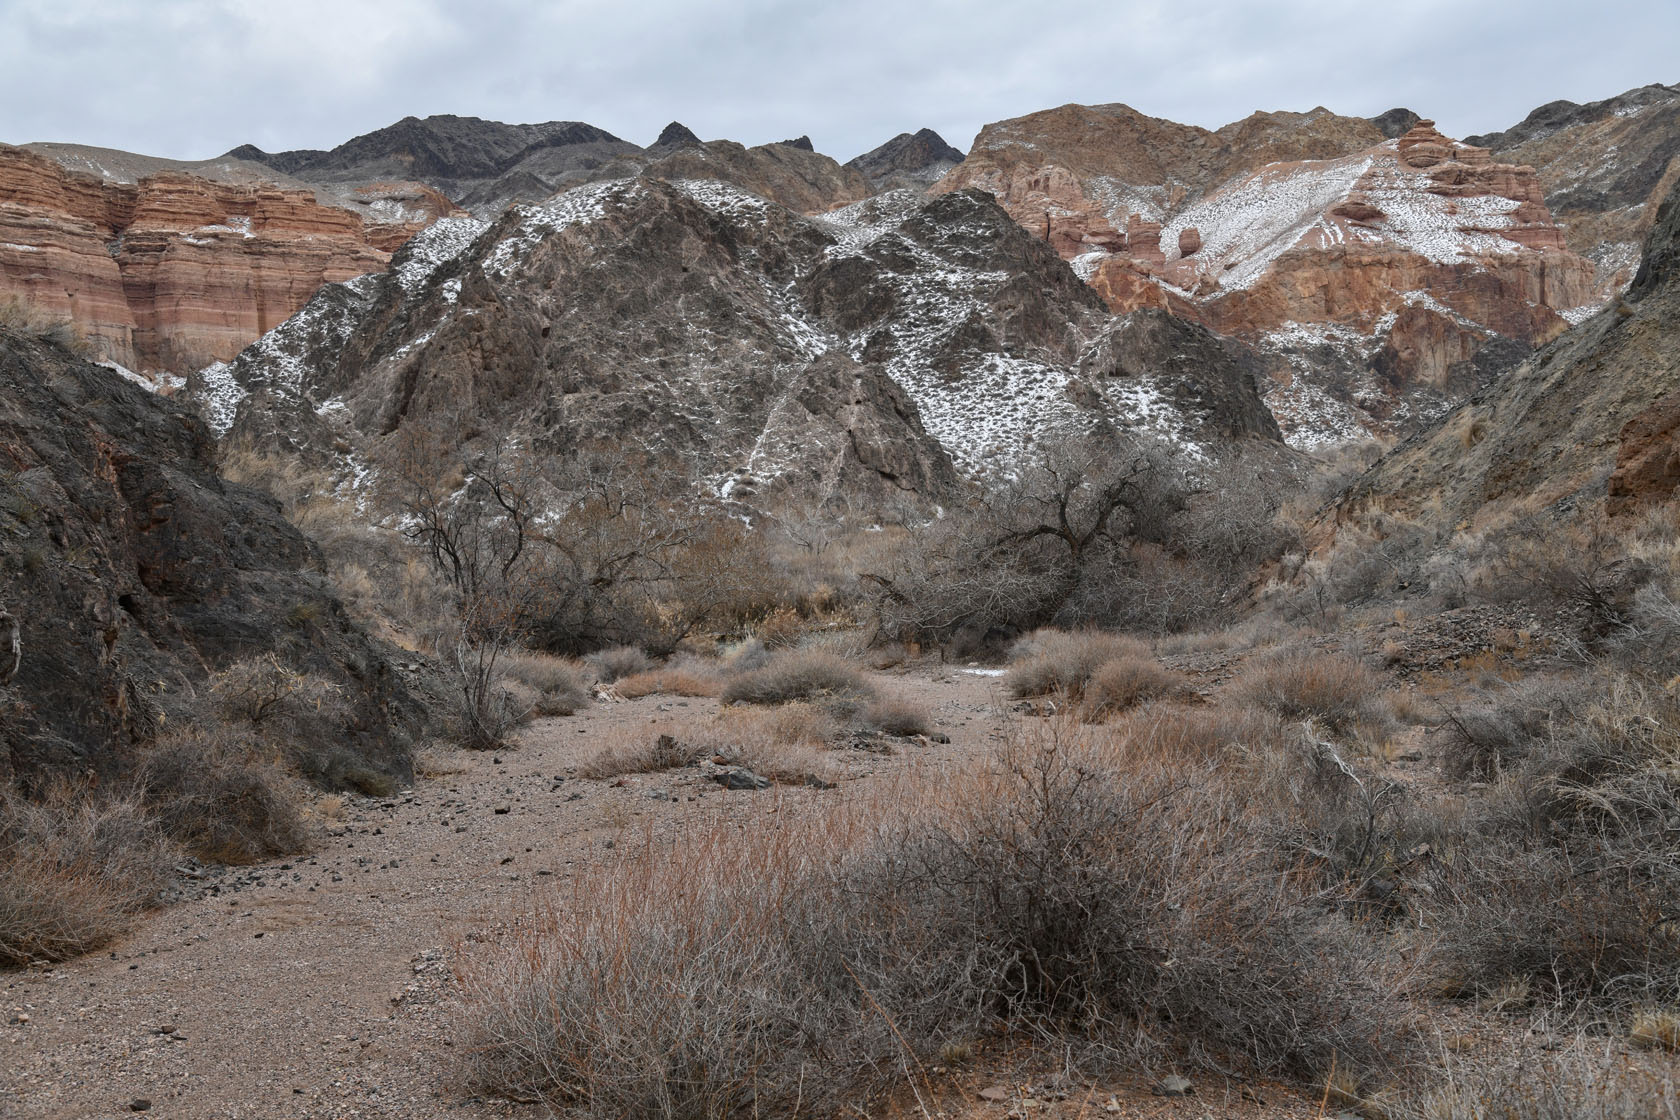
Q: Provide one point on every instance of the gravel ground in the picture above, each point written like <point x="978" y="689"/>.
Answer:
<point x="323" y="986"/>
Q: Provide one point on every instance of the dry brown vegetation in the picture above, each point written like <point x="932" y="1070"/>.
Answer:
<point x="1074" y="889"/>
<point x="75" y="868"/>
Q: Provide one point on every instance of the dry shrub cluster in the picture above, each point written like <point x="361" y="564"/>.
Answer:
<point x="1333" y="689"/>
<point x="785" y="744"/>
<point x="24" y="318"/>
<point x="1051" y="661"/>
<point x="690" y="681"/>
<point x="1126" y="905"/>
<point x="211" y="788"/>
<point x="1111" y="531"/>
<point x="1566" y="891"/>
<point x="1106" y="673"/>
<point x="798" y="675"/>
<point x="619" y="661"/>
<point x="74" y="870"/>
<point x="558" y="686"/>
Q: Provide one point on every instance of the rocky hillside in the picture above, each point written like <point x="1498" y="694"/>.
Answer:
<point x="1387" y="275"/>
<point x="907" y="161"/>
<point x="896" y="345"/>
<point x="485" y="165"/>
<point x="1594" y="415"/>
<point x="170" y="271"/>
<point x="134" y="570"/>
<point x="1604" y="167"/>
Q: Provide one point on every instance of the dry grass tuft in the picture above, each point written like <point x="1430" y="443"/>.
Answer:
<point x="1051" y="661"/>
<point x="1656" y="1029"/>
<point x="798" y="675"/>
<point x="1127" y="681"/>
<point x="74" y="869"/>
<point x="1333" y="689"/>
<point x="673" y="682"/>
<point x="559" y="685"/>
<point x="620" y="661"/>
<point x="898" y="715"/>
<point x="210" y="789"/>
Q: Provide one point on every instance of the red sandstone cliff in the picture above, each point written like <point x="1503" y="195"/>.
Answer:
<point x="176" y="271"/>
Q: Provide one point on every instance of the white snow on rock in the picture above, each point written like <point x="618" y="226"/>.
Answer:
<point x="431" y="248"/>
<point x="219" y="396"/>
<point x="587" y="203"/>
<point x="1251" y="224"/>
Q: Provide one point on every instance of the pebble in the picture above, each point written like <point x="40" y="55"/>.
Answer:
<point x="139" y="1104"/>
<point x="1174" y="1086"/>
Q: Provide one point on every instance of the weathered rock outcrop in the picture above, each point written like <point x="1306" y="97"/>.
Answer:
<point x="1387" y="271"/>
<point x="1590" y="416"/>
<point x="890" y="348"/>
<point x="907" y="161"/>
<point x="135" y="570"/>
<point x="175" y="271"/>
<point x="1604" y="168"/>
<point x="486" y="165"/>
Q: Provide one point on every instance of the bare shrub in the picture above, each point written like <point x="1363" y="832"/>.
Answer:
<point x="1574" y="1081"/>
<point x="619" y="661"/>
<point x="1331" y="688"/>
<point x="1055" y="661"/>
<point x="1200" y="734"/>
<point x="785" y="744"/>
<point x="559" y="686"/>
<point x="1096" y="899"/>
<point x="210" y="788"/>
<point x="674" y="682"/>
<point x="74" y="869"/>
<point x="797" y="675"/>
<point x="897" y="715"/>
<point x="641" y="751"/>
<point x="1569" y="887"/>
<point x="1125" y="682"/>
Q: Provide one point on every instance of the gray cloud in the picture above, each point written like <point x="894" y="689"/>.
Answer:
<point x="193" y="78"/>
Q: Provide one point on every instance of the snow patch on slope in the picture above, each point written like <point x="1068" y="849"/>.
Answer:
<point x="1264" y="216"/>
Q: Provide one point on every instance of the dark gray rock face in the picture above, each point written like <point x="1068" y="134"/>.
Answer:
<point x="486" y="165"/>
<point x="904" y="345"/>
<point x="1396" y="122"/>
<point x="907" y="160"/>
<point x="134" y="570"/>
<point x="676" y="135"/>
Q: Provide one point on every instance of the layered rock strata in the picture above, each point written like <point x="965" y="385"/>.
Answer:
<point x="175" y="271"/>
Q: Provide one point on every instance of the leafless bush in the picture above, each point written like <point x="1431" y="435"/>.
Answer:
<point x="1125" y="682"/>
<point x="74" y="869"/>
<point x="559" y="686"/>
<point x="675" y="682"/>
<point x="210" y="788"/>
<point x="1577" y="1081"/>
<point x="897" y="715"/>
<point x="59" y="330"/>
<point x="1053" y="661"/>
<point x="1098" y="899"/>
<point x="1332" y="688"/>
<point x="1571" y="883"/>
<point x="797" y="675"/>
<point x="619" y="661"/>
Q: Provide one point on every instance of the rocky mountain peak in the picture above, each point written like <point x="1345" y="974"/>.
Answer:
<point x="803" y="143"/>
<point x="676" y="135"/>
<point x="908" y="159"/>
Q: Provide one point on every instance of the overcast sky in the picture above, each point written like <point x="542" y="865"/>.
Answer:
<point x="192" y="78"/>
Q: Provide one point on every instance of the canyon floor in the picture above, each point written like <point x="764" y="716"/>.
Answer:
<point x="325" y="985"/>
